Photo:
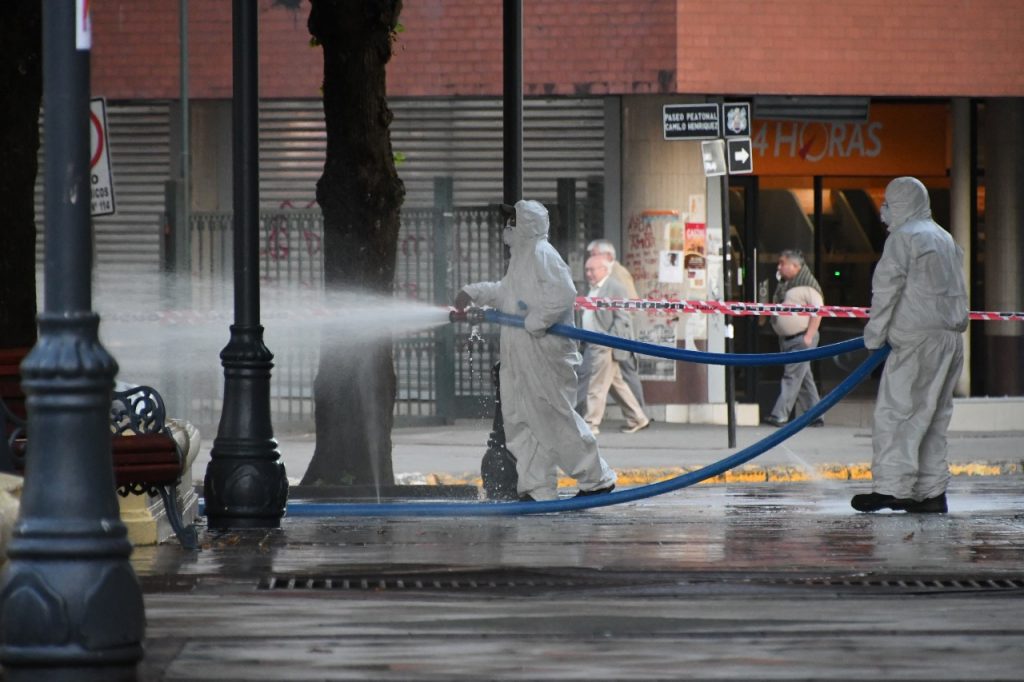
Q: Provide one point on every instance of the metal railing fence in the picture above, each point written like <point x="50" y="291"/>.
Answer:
<point x="442" y="373"/>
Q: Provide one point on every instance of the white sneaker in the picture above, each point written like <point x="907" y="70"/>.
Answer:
<point x="636" y="427"/>
<point x="594" y="430"/>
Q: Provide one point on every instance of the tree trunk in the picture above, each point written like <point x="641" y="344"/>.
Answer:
<point x="361" y="196"/>
<point x="21" y="82"/>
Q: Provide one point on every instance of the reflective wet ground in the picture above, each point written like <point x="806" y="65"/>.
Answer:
<point x="751" y="581"/>
<point x="751" y="526"/>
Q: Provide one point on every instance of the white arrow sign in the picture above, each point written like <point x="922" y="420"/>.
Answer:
<point x="741" y="156"/>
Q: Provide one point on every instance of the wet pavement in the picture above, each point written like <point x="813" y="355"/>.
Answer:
<point x="773" y="580"/>
<point x="452" y="453"/>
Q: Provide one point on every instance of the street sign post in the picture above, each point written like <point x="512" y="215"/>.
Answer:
<point x="101" y="180"/>
<point x="739" y="155"/>
<point x="691" y="121"/>
<point x="720" y="157"/>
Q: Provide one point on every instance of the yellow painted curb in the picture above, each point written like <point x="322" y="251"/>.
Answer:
<point x="748" y="474"/>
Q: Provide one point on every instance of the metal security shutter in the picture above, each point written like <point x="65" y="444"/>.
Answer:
<point x="463" y="138"/>
<point x="439" y="137"/>
<point x="293" y="143"/>
<point x="128" y="241"/>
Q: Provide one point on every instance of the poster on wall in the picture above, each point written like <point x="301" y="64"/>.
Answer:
<point x="649" y="258"/>
<point x="674" y="236"/>
<point x="696" y="213"/>
<point x="695" y="255"/>
<point x="670" y="267"/>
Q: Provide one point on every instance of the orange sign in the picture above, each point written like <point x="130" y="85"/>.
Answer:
<point x="897" y="139"/>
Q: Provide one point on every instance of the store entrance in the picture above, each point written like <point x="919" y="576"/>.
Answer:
<point x="834" y="223"/>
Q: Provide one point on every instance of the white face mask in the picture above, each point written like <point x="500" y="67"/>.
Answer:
<point x="506" y="235"/>
<point x="883" y="213"/>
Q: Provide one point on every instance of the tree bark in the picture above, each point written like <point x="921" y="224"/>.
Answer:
<point x="21" y="82"/>
<point x="361" y="196"/>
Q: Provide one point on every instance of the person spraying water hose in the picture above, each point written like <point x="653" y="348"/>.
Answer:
<point x="538" y="370"/>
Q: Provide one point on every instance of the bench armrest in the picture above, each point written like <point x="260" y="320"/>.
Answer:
<point x="136" y="411"/>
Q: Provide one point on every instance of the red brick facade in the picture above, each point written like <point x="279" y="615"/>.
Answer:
<point x="573" y="47"/>
<point x="856" y="47"/>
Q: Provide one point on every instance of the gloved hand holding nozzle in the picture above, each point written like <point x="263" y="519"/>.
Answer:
<point x="462" y="300"/>
<point x="464" y="310"/>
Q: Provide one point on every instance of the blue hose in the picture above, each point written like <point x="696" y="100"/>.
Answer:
<point x="577" y="503"/>
<point x="745" y="360"/>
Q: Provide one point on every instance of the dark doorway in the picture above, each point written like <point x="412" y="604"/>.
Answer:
<point x="834" y="222"/>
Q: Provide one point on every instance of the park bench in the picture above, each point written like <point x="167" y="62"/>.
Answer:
<point x="147" y="459"/>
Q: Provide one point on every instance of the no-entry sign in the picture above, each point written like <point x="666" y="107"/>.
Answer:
<point x="101" y="180"/>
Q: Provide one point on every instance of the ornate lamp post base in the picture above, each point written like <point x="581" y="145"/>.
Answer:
<point x="70" y="600"/>
<point x="245" y="484"/>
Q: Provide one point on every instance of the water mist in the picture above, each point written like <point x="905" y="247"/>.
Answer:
<point x="168" y="331"/>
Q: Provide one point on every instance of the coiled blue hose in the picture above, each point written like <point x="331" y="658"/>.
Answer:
<point x="683" y="355"/>
<point x="319" y="509"/>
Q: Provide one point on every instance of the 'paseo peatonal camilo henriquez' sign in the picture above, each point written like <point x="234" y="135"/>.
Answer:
<point x="897" y="139"/>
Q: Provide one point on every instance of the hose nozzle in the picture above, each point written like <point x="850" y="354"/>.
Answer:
<point x="472" y="314"/>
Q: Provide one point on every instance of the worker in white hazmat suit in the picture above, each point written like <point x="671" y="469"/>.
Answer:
<point x="919" y="307"/>
<point x="538" y="370"/>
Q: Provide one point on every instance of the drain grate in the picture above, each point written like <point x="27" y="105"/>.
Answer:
<point x="424" y="582"/>
<point x="525" y="582"/>
<point x="909" y="585"/>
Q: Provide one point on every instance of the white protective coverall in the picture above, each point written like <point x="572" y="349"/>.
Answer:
<point x="538" y="370"/>
<point x="919" y="306"/>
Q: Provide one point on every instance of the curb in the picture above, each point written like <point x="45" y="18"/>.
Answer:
<point x="743" y="474"/>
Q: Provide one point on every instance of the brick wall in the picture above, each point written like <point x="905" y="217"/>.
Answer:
<point x="858" y="47"/>
<point x="569" y="48"/>
<point x="135" y="50"/>
<point x="573" y="47"/>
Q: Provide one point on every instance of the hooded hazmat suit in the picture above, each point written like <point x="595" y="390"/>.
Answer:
<point x="919" y="306"/>
<point x="538" y="370"/>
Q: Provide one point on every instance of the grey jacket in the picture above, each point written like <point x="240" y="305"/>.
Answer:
<point x="615" y="321"/>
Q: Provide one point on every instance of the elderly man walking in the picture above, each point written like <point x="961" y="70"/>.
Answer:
<point x="605" y="251"/>
<point x="606" y="364"/>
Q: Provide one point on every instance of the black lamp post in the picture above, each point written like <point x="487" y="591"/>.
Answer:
<point x="245" y="484"/>
<point x="512" y="100"/>
<point x="70" y="604"/>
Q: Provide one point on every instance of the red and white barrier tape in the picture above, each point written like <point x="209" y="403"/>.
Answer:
<point x="733" y="308"/>
<point x="740" y="309"/>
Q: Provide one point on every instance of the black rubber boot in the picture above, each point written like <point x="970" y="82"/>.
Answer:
<point x="596" y="491"/>
<point x="871" y="502"/>
<point x="929" y="505"/>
